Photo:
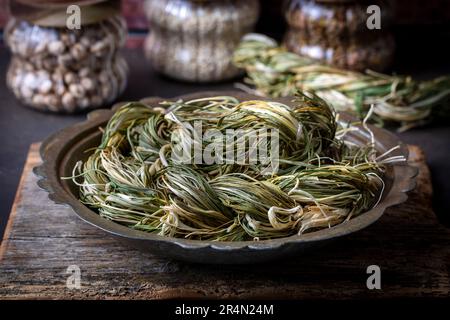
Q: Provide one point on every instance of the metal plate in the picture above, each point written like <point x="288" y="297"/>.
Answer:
<point x="63" y="149"/>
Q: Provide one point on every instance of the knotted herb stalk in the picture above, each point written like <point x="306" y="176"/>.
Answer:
<point x="133" y="179"/>
<point x="275" y="72"/>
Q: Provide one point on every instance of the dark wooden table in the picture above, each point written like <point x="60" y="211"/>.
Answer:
<point x="42" y="240"/>
<point x="409" y="244"/>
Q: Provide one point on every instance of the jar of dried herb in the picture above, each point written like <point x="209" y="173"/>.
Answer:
<point x="194" y="40"/>
<point x="336" y="32"/>
<point x="66" y="69"/>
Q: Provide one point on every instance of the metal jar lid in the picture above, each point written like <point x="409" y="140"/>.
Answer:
<point x="54" y="13"/>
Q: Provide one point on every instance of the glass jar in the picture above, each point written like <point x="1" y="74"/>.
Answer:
<point x="335" y="32"/>
<point x="194" y="40"/>
<point x="54" y="68"/>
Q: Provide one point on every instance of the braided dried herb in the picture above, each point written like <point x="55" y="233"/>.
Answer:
<point x="274" y="71"/>
<point x="323" y="180"/>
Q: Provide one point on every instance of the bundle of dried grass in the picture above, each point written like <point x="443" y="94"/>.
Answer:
<point x="275" y="72"/>
<point x="322" y="180"/>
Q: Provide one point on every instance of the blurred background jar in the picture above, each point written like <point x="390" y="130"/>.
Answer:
<point x="335" y="32"/>
<point x="193" y="40"/>
<point x="54" y="68"/>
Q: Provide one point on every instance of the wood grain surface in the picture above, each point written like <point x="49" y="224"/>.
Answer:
<point x="42" y="239"/>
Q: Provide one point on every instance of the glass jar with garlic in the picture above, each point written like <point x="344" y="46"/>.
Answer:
<point x="56" y="68"/>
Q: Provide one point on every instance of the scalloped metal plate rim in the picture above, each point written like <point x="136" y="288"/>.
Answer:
<point x="54" y="147"/>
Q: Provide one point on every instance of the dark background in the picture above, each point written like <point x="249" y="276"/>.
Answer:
<point x="422" y="34"/>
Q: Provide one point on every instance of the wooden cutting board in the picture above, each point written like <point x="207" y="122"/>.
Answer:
<point x="43" y="239"/>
